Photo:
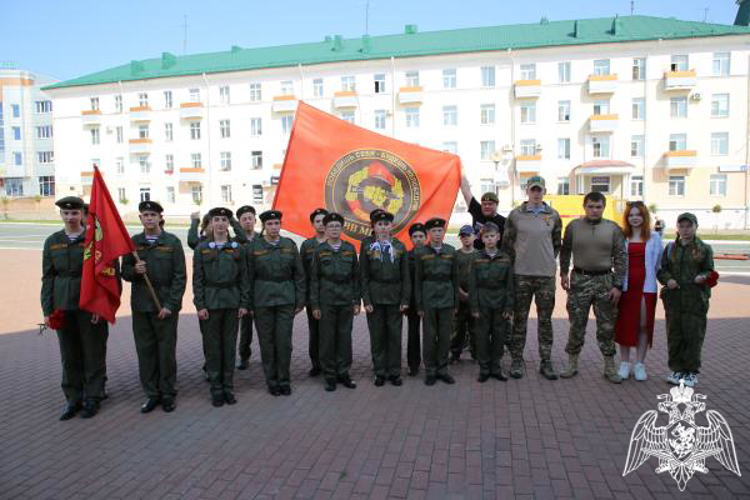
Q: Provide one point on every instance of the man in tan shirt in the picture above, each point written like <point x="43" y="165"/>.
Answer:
<point x="597" y="246"/>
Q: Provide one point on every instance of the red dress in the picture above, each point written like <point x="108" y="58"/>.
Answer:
<point x="628" y="319"/>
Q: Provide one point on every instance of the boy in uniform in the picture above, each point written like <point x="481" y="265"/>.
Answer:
<point x="463" y="333"/>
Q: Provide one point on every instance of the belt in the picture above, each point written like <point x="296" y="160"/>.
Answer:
<point x="214" y="284"/>
<point x="436" y="278"/>
<point x="578" y="270"/>
<point x="380" y="280"/>
<point x="68" y="274"/>
<point x="338" y="281"/>
<point x="274" y="280"/>
<point x="491" y="287"/>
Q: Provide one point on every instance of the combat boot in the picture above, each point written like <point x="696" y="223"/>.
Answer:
<point x="546" y="369"/>
<point x="609" y="370"/>
<point x="516" y="368"/>
<point x="572" y="369"/>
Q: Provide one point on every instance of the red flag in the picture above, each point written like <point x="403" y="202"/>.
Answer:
<point x="106" y="240"/>
<point x="350" y="170"/>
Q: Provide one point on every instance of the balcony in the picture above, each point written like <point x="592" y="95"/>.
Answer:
<point x="602" y="84"/>
<point x="679" y="80"/>
<point x="87" y="178"/>
<point x="284" y="104"/>
<point x="91" y="118"/>
<point x="528" y="89"/>
<point x="528" y="164"/>
<point x="140" y="114"/>
<point x="345" y="99"/>
<point x="603" y="123"/>
<point x="191" y="110"/>
<point x="140" y="146"/>
<point x="410" y="95"/>
<point x="191" y="174"/>
<point x="682" y="159"/>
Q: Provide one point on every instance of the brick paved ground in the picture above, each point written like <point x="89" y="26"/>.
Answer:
<point x="527" y="439"/>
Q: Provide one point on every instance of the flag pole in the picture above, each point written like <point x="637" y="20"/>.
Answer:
<point x="148" y="283"/>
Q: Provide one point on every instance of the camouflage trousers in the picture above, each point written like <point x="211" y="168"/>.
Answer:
<point x="685" y="311"/>
<point x="586" y="291"/>
<point x="542" y="290"/>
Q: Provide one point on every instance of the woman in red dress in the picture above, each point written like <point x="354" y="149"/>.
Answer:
<point x="637" y="307"/>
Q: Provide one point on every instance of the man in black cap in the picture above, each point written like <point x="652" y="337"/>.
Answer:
<point x="481" y="213"/>
<point x="162" y="260"/>
<point x="82" y="335"/>
<point x="418" y="235"/>
<point x="246" y="217"/>
<point x="307" y="252"/>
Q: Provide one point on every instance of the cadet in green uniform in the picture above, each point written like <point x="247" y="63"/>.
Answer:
<point x="335" y="300"/>
<point x="436" y="281"/>
<point x="246" y="216"/>
<point x="463" y="332"/>
<point x="418" y="235"/>
<point x="221" y="297"/>
<point x="83" y="336"/>
<point x="386" y="291"/>
<point x="307" y="252"/>
<point x="491" y="299"/>
<point x="195" y="236"/>
<point x="277" y="294"/>
<point x="155" y="330"/>
<point x="687" y="266"/>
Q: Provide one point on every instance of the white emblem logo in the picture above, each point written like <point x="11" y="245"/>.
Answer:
<point x="681" y="446"/>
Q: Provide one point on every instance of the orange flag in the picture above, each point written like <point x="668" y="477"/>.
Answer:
<point x="106" y="241"/>
<point x="347" y="169"/>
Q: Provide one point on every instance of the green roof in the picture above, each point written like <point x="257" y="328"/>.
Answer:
<point x="413" y="44"/>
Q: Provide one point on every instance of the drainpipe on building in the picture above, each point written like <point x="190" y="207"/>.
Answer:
<point x="301" y="82"/>
<point x="747" y="149"/>
<point x="512" y="130"/>
<point x="207" y="196"/>
<point x="645" y="136"/>
<point x="393" y="97"/>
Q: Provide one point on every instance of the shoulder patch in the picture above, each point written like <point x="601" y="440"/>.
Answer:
<point x="258" y="253"/>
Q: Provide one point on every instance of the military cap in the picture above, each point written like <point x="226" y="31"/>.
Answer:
<point x="316" y="212"/>
<point x="434" y="222"/>
<point x="466" y="230"/>
<point x="381" y="216"/>
<point x="70" y="203"/>
<point x="490" y="226"/>
<point x="245" y="209"/>
<point x="375" y="213"/>
<point x="687" y="216"/>
<point x="536" y="181"/>
<point x="333" y="217"/>
<point x="490" y="196"/>
<point x="220" y="211"/>
<point x="150" y="206"/>
<point x="417" y="227"/>
<point x="270" y="215"/>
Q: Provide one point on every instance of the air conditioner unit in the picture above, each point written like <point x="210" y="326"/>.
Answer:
<point x="696" y="96"/>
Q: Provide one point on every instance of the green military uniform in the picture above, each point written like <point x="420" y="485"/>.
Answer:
<point x="334" y="290"/>
<point x="463" y="331"/>
<point x="686" y="307"/>
<point x="277" y="282"/>
<point x="413" y="342"/>
<point x="193" y="238"/>
<point x="246" y="325"/>
<point x="491" y="296"/>
<point x="307" y="253"/>
<point x="156" y="339"/>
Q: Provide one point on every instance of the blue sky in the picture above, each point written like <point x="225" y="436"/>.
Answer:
<point x="70" y="38"/>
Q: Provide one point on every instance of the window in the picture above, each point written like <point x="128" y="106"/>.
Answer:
<point x="488" y="76"/>
<point x="257" y="193"/>
<point x="563" y="111"/>
<point x="639" y="68"/>
<point x="167" y="99"/>
<point x="145" y="194"/>
<point x="563" y="186"/>
<point x="47" y="185"/>
<point x="143" y="99"/>
<point x="412" y="78"/>
<point x="450" y="116"/>
<point x="601" y="146"/>
<point x="94" y="103"/>
<point x="226" y="193"/>
<point x="528" y="147"/>
<point x="601" y="67"/>
<point x="225" y="164"/>
<point x="16" y="133"/>
<point x="256" y="162"/>
<point x="600" y="184"/>
<point x="601" y="107"/>
<point x="379" y="83"/>
<point x="380" y="119"/>
<point x="195" y="95"/>
<point x="348" y="83"/>
<point x="118" y="103"/>
<point x="679" y="63"/>
<point x="120" y="135"/>
<point x="144" y="164"/>
<point x="13" y="186"/>
<point x="721" y="64"/>
<point x="255" y="94"/>
<point x="636" y="185"/>
<point x="450" y="147"/>
<point x="41" y="107"/>
<point x="224" y="129"/>
<point x="195" y="131"/>
<point x="720" y="105"/>
<point x="143" y="131"/>
<point x="528" y="113"/>
<point x="95" y="136"/>
<point x="256" y="128"/>
<point x="563" y="149"/>
<point x="16" y="110"/>
<point x="486" y="148"/>
<point x="195" y="160"/>
<point x="169" y="164"/>
<point x="197" y="194"/>
<point x="17" y="158"/>
<point x="287" y="87"/>
<point x="636" y="146"/>
<point x="487" y="114"/>
<point x="563" y="72"/>
<point x="286" y="123"/>
<point x="318" y="87"/>
<point x="676" y="185"/>
<point x="2" y="134"/>
<point x="488" y="185"/>
<point x="412" y="117"/>
<point x="120" y="166"/>
<point x="121" y="195"/>
<point x="224" y="94"/>
<point x="168" y="132"/>
<point x="678" y="107"/>
<point x="678" y="142"/>
<point x="347" y="115"/>
<point x="718" y="185"/>
<point x="449" y="78"/>
<point x="639" y="108"/>
<point x="45" y="156"/>
<point x="528" y="72"/>
<point x="720" y="143"/>
<point x="170" y="194"/>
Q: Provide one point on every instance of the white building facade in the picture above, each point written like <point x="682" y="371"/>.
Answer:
<point x="665" y="121"/>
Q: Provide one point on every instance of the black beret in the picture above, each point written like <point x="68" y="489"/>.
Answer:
<point x="434" y="222"/>
<point x="70" y="203"/>
<point x="333" y="217"/>
<point x="417" y="227"/>
<point x="245" y="209"/>
<point x="150" y="206"/>
<point x="316" y="212"/>
<point x="381" y="216"/>
<point x="374" y="213"/>
<point x="220" y="211"/>
<point x="270" y="215"/>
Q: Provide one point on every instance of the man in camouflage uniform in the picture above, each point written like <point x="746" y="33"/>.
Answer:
<point x="596" y="245"/>
<point x="532" y="239"/>
<point x="246" y="217"/>
<point x="307" y="252"/>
